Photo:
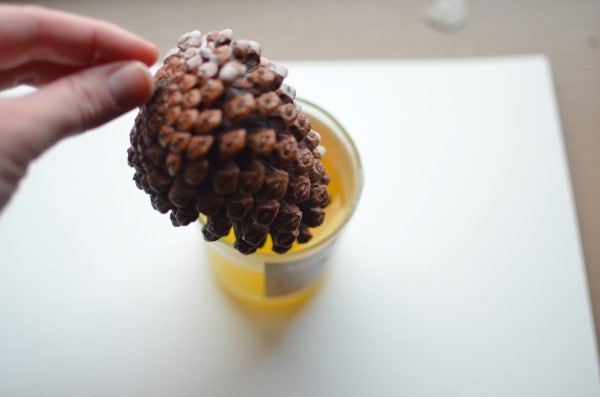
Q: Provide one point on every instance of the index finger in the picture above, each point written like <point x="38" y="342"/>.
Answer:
<point x="32" y="33"/>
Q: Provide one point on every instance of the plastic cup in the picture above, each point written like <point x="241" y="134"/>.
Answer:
<point x="270" y="279"/>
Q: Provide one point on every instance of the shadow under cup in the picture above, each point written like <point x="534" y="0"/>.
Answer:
<point x="271" y="279"/>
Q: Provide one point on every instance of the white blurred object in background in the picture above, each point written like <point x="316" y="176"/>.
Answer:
<point x="447" y="15"/>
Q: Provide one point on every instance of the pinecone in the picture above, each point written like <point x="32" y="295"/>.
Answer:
<point x="222" y="136"/>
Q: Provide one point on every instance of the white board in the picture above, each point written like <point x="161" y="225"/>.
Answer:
<point x="461" y="273"/>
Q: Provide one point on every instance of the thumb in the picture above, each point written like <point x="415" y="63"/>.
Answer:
<point x="85" y="100"/>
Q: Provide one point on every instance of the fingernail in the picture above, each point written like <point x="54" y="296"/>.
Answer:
<point x="130" y="85"/>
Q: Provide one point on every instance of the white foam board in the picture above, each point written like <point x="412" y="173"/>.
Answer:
<point x="461" y="273"/>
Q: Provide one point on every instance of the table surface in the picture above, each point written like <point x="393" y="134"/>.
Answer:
<point x="567" y="31"/>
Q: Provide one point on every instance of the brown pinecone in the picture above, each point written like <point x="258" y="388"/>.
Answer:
<point x="222" y="136"/>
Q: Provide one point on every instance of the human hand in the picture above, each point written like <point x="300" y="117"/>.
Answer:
<point x="88" y="72"/>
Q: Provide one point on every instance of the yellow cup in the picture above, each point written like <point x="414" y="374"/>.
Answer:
<point x="270" y="279"/>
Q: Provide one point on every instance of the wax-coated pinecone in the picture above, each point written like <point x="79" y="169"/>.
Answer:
<point x="223" y="136"/>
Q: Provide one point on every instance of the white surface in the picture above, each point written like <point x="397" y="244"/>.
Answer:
<point x="460" y="275"/>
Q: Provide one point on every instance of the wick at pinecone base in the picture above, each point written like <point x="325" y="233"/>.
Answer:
<point x="223" y="136"/>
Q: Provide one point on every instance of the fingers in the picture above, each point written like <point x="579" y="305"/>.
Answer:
<point x="35" y="73"/>
<point x="81" y="101"/>
<point x="32" y="33"/>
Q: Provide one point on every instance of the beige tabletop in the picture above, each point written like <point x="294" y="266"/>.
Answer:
<point x="567" y="31"/>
